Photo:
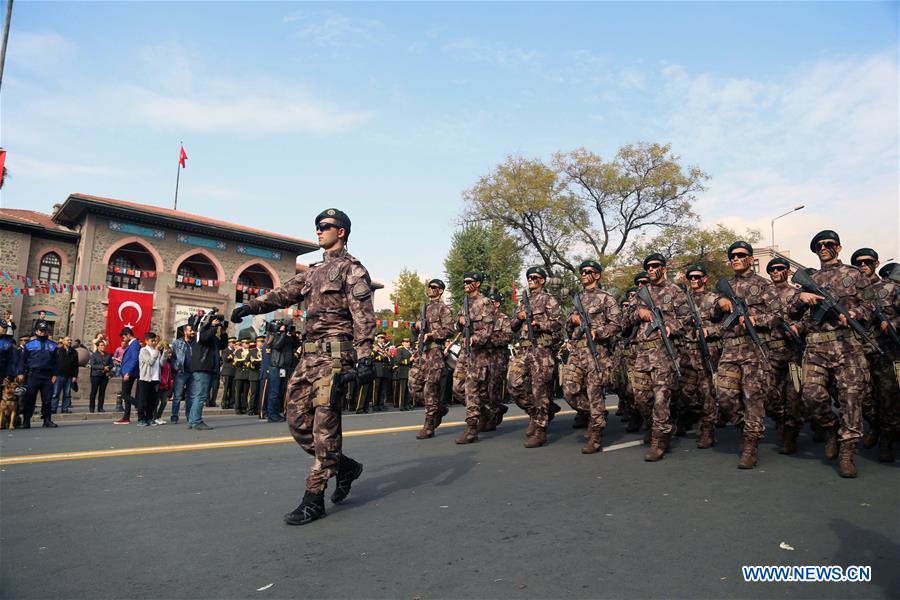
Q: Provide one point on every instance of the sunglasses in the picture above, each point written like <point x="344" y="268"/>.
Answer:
<point x="588" y="272"/>
<point x="437" y="287"/>
<point x="777" y="269"/>
<point x="829" y="245"/>
<point x="326" y="226"/>
<point x="654" y="265"/>
<point x="468" y="281"/>
<point x="868" y="262"/>
<point x="695" y="277"/>
<point x="738" y="256"/>
<point x="535" y="278"/>
<point x="642" y="281"/>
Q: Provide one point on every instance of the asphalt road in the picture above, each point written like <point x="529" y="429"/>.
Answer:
<point x="430" y="519"/>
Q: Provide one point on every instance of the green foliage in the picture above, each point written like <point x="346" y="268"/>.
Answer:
<point x="410" y="292"/>
<point x="484" y="247"/>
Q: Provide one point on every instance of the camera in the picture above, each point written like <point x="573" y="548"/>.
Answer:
<point x="203" y="320"/>
<point x="277" y="324"/>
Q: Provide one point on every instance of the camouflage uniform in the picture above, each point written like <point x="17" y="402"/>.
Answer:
<point x="439" y="323"/>
<point x="477" y="361"/>
<point x="783" y="402"/>
<point x="340" y="329"/>
<point x="743" y="375"/>
<point x="531" y="371"/>
<point x="500" y="341"/>
<point x="582" y="383"/>
<point x="653" y="377"/>
<point x="698" y="393"/>
<point x="882" y="407"/>
<point x="835" y="357"/>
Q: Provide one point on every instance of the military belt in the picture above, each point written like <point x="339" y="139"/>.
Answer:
<point x="828" y="336"/>
<point x="649" y="345"/>
<point x="543" y="341"/>
<point x="327" y="346"/>
<point x="745" y="339"/>
<point x="776" y="344"/>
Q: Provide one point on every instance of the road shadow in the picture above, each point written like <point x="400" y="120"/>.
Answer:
<point x="865" y="547"/>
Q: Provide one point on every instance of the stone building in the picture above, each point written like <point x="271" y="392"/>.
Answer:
<point x="190" y="262"/>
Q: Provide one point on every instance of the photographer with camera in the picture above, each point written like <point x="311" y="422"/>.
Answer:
<point x="282" y="344"/>
<point x="210" y="339"/>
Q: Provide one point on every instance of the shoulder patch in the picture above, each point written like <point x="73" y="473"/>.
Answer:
<point x="334" y="273"/>
<point x="361" y="290"/>
<point x="847" y="281"/>
<point x="882" y="292"/>
<point x="754" y="290"/>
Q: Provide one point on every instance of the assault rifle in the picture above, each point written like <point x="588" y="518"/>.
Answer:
<point x="529" y="317"/>
<point x="878" y="316"/>
<point x="587" y="331"/>
<point x="657" y="322"/>
<point x="739" y="309"/>
<point x="467" y="329"/>
<point x="698" y="329"/>
<point x="788" y="332"/>
<point x="830" y="304"/>
<point x="421" y="342"/>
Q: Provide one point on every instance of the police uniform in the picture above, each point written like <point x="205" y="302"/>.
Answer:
<point x="228" y="373"/>
<point x="40" y="360"/>
<point x="7" y="348"/>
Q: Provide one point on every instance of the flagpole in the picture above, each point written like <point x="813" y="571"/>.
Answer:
<point x="178" y="175"/>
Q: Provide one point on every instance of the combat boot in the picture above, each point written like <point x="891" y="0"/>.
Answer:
<point x="594" y="443"/>
<point x="666" y="443"/>
<point x="657" y="448"/>
<point x="500" y="412"/>
<point x="531" y="427"/>
<point x="788" y="440"/>
<point x="469" y="435"/>
<point x="707" y="437"/>
<point x="538" y="439"/>
<point x="871" y="439"/>
<point x="831" y="443"/>
<point x="348" y="471"/>
<point x="441" y="413"/>
<point x="749" y="456"/>
<point x="312" y="507"/>
<point x="581" y="420"/>
<point x="885" y="447"/>
<point x="427" y="431"/>
<point x="846" y="467"/>
<point x="634" y="422"/>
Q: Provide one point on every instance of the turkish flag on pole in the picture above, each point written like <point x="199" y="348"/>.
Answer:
<point x="396" y="308"/>
<point x="514" y="299"/>
<point x="127" y="308"/>
<point x="182" y="158"/>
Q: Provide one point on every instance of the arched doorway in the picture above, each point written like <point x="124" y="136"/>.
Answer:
<point x="195" y="267"/>
<point x="126" y="266"/>
<point x="249" y="282"/>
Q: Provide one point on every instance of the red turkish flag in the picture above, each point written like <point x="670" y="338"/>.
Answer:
<point x="514" y="298"/>
<point x="127" y="308"/>
<point x="182" y="158"/>
<point x="396" y="309"/>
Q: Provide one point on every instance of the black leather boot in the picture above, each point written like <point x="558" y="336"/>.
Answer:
<point x="348" y="471"/>
<point x="312" y="507"/>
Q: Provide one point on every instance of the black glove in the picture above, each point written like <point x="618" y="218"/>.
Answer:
<point x="238" y="314"/>
<point x="365" y="371"/>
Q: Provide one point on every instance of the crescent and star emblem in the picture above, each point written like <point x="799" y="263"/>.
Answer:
<point x="133" y="305"/>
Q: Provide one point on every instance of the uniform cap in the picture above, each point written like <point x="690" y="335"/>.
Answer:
<point x="536" y="270"/>
<point x="740" y="244"/>
<point x="695" y="268"/>
<point x="655" y="257"/>
<point x="497" y="297"/>
<point x="863" y="252"/>
<point x="590" y="263"/>
<point x="778" y="260"/>
<point x="474" y="275"/>
<point x="640" y="275"/>
<point x="885" y="271"/>
<point x="827" y="234"/>
<point x="438" y="283"/>
<point x="336" y="215"/>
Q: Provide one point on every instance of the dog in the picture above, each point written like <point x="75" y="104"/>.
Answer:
<point x="9" y="406"/>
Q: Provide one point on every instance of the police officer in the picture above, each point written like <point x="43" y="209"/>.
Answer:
<point x="438" y="326"/>
<point x="340" y="330"/>
<point x="40" y="361"/>
<point x="228" y="373"/>
<point x="7" y="346"/>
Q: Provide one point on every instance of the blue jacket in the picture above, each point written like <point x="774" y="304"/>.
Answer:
<point x="130" y="360"/>
<point x="181" y="351"/>
<point x="39" y="354"/>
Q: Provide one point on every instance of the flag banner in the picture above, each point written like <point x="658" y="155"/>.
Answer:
<point x="128" y="308"/>
<point x="182" y="158"/>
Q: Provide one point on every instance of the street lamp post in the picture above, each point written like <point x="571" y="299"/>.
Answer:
<point x="793" y="210"/>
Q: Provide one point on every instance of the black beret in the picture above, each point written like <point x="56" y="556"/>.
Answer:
<point x="335" y="214"/>
<point x="863" y="252"/>
<point x="640" y="275"/>
<point x="885" y="271"/>
<point x="631" y="290"/>
<point x="538" y="270"/>
<point x="742" y="245"/>
<point x="438" y="283"/>
<point x="828" y="234"/>
<point x="778" y="260"/>
<point x="497" y="297"/>
<point x="655" y="257"/>
<point x="695" y="267"/>
<point x="473" y="275"/>
<point x="590" y="263"/>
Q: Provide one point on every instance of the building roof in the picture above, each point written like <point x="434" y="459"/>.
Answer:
<point x="71" y="211"/>
<point x="35" y="222"/>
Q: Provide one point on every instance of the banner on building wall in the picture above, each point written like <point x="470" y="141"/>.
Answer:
<point x="128" y="308"/>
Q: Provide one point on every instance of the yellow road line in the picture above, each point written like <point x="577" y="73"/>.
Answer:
<point x="114" y="452"/>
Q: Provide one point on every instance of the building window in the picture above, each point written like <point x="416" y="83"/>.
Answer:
<point x="50" y="265"/>
<point x="132" y="257"/>
<point x="251" y="280"/>
<point x="186" y="271"/>
<point x="195" y="267"/>
<point x="123" y="280"/>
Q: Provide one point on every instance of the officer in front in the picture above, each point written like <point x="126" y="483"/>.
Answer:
<point x="38" y="364"/>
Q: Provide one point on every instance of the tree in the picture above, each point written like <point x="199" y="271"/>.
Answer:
<point x="489" y="249"/>
<point x="527" y="197"/>
<point x="410" y="292"/>
<point x="643" y="188"/>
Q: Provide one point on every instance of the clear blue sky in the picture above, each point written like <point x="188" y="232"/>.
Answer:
<point x="390" y="111"/>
